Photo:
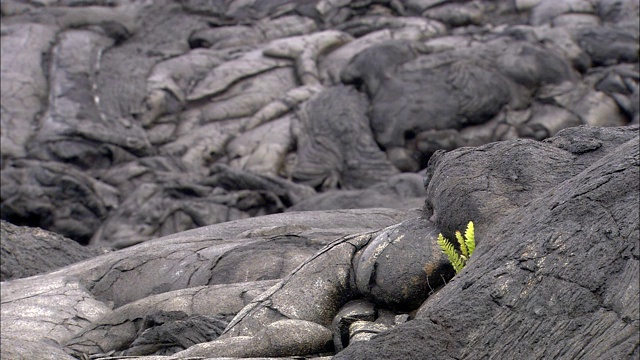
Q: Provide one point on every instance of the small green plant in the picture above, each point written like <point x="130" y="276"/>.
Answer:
<point x="467" y="246"/>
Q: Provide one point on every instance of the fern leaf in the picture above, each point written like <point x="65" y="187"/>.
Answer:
<point x="470" y="240"/>
<point x="451" y="253"/>
<point x="463" y="246"/>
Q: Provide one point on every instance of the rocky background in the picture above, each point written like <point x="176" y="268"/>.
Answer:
<point x="124" y="122"/>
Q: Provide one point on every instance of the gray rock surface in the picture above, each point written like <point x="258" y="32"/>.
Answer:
<point x="171" y="330"/>
<point x="402" y="191"/>
<point x="545" y="279"/>
<point x="81" y="202"/>
<point x="513" y="181"/>
<point x="280" y="338"/>
<point x="351" y="312"/>
<point x="402" y="266"/>
<point x="558" y="268"/>
<point x="96" y="306"/>
<point x="143" y="102"/>
<point x="140" y="125"/>
<point x="30" y="251"/>
<point x="335" y="144"/>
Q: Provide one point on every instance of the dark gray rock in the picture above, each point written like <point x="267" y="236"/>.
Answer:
<point x="351" y="312"/>
<point x="158" y="95"/>
<point x="231" y="179"/>
<point x="617" y="11"/>
<point x="369" y="67"/>
<point x="22" y="104"/>
<point x="394" y="267"/>
<point x="413" y="92"/>
<point x="248" y="35"/>
<point x="489" y="190"/>
<point x="123" y="70"/>
<point x="278" y="339"/>
<point x="553" y="262"/>
<point x="30" y="251"/>
<point x="402" y="191"/>
<point x="335" y="146"/>
<point x="363" y="25"/>
<point x="31" y="195"/>
<point x="454" y="14"/>
<point x="75" y="130"/>
<point x="94" y="305"/>
<point x="532" y="65"/>
<point x="416" y="101"/>
<point x="206" y="310"/>
<point x="166" y="333"/>
<point x="546" y="121"/>
<point x="402" y="266"/>
<point x="319" y="288"/>
<point x="609" y="45"/>
<point x="184" y="203"/>
<point x="546" y="11"/>
<point x="123" y="121"/>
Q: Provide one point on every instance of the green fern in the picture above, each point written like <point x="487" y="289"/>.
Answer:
<point x="470" y="240"/>
<point x="451" y="253"/>
<point x="463" y="245"/>
<point x="467" y="246"/>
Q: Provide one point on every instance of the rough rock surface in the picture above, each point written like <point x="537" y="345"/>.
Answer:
<point x="120" y="117"/>
<point x="140" y="125"/>
<point x="30" y="251"/>
<point x="405" y="190"/>
<point x="554" y="274"/>
<point x="335" y="146"/>
<point x="534" y="262"/>
<point x="99" y="305"/>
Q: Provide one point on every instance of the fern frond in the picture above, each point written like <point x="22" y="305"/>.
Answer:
<point x="451" y="253"/>
<point x="463" y="246"/>
<point x="470" y="240"/>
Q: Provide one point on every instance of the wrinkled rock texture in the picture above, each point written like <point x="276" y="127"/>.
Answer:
<point x="30" y="251"/>
<point x="124" y="121"/>
<point x="556" y="270"/>
<point x="197" y="280"/>
<point x="266" y="179"/>
<point x="557" y="247"/>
